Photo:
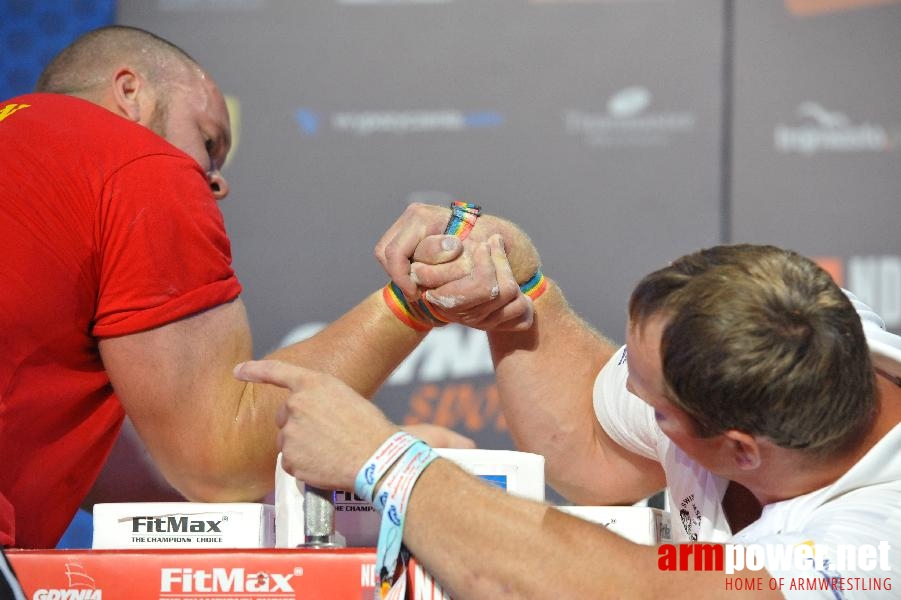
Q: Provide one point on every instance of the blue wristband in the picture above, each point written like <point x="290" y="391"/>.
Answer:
<point x="391" y="500"/>
<point x="376" y="467"/>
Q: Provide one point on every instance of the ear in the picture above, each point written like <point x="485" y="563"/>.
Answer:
<point x="128" y="93"/>
<point x="744" y="448"/>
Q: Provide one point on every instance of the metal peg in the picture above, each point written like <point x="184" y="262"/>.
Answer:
<point x="319" y="519"/>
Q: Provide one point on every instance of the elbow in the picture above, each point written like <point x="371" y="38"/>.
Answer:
<point x="214" y="489"/>
<point x="213" y="478"/>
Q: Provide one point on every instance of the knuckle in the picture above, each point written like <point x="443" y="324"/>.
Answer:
<point x="510" y="290"/>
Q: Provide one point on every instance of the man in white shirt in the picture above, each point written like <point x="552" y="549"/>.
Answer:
<point x="747" y="390"/>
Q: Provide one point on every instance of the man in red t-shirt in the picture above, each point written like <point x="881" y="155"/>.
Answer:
<point x="119" y="296"/>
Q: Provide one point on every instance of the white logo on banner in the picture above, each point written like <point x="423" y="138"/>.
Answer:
<point x="227" y="582"/>
<point x="364" y="123"/>
<point x="825" y="130"/>
<point x="81" y="586"/>
<point x="628" y="122"/>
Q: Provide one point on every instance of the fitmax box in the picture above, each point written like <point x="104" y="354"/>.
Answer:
<point x="639" y="524"/>
<point x="195" y="574"/>
<point x="183" y="525"/>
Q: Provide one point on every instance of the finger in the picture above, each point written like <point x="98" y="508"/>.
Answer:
<point x="503" y="272"/>
<point x="511" y="310"/>
<point x="513" y="316"/>
<point x="398" y="245"/>
<point x="467" y="292"/>
<point x="433" y="276"/>
<point x="438" y="249"/>
<point x="274" y="372"/>
<point x="490" y="286"/>
<point x="437" y="436"/>
<point x="396" y="261"/>
<point x="458" y="440"/>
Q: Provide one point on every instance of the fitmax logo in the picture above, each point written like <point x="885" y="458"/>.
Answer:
<point x="173" y="524"/>
<point x="232" y="581"/>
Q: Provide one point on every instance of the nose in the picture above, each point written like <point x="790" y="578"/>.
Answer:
<point x="218" y="184"/>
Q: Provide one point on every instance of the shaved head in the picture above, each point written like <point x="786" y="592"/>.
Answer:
<point x="89" y="61"/>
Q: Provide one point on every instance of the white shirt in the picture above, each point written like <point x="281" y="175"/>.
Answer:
<point x="863" y="507"/>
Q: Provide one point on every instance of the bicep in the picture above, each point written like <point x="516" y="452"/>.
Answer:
<point x="175" y="381"/>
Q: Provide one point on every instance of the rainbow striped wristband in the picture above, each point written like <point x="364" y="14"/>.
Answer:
<point x="536" y="286"/>
<point x="463" y="218"/>
<point x="424" y="317"/>
<point x="420" y="318"/>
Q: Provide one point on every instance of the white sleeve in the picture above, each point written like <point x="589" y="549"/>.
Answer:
<point x="885" y="346"/>
<point x="851" y="538"/>
<point x="626" y="418"/>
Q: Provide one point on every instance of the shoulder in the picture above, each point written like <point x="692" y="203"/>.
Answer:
<point x="73" y="125"/>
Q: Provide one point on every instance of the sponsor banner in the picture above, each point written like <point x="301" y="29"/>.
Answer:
<point x="398" y="122"/>
<point x="822" y="130"/>
<point x="421" y="585"/>
<point x="196" y="575"/>
<point x="629" y="121"/>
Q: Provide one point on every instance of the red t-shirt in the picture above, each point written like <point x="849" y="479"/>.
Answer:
<point x="105" y="230"/>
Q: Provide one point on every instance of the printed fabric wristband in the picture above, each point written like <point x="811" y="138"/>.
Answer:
<point x="397" y="304"/>
<point x="463" y="218"/>
<point x="391" y="501"/>
<point x="379" y="463"/>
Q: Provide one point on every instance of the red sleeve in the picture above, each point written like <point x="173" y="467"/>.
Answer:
<point x="163" y="252"/>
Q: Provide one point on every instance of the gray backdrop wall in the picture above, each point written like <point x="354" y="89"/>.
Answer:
<point x="619" y="134"/>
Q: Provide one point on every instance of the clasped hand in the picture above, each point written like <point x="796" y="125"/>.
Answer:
<point x="469" y="281"/>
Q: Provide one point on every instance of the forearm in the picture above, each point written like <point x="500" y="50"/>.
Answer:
<point x="362" y="348"/>
<point x="481" y="543"/>
<point x="545" y="378"/>
<point x="213" y="437"/>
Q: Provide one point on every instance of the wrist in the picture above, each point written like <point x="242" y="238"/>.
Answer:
<point x="521" y="252"/>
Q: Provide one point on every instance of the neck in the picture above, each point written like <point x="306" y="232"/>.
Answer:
<point x="787" y="476"/>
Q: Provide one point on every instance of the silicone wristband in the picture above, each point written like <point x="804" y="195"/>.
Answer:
<point x="535" y="286"/>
